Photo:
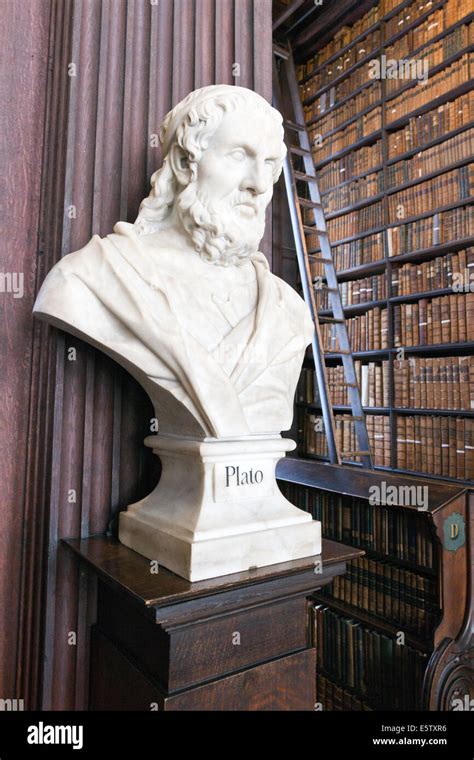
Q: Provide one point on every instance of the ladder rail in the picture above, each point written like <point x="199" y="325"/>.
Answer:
<point x="308" y="292"/>
<point x="297" y="125"/>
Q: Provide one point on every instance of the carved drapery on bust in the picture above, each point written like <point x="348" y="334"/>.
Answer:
<point x="232" y="379"/>
<point x="185" y="301"/>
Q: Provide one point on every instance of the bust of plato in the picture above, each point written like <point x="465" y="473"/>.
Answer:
<point x="182" y="298"/>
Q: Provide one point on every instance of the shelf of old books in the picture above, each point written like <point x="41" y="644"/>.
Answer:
<point x="377" y="628"/>
<point x="393" y="147"/>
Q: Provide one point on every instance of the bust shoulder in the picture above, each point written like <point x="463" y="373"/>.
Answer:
<point x="105" y="257"/>
<point x="295" y="306"/>
<point x="289" y="293"/>
<point x="84" y="262"/>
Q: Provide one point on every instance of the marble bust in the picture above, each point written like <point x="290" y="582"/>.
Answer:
<point x="187" y="304"/>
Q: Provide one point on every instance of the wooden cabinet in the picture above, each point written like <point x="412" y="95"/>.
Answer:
<point x="238" y="642"/>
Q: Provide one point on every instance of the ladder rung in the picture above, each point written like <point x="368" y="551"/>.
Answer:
<point x="293" y="125"/>
<point x="304" y="176"/>
<point x="350" y="385"/>
<point x="339" y="353"/>
<point x="281" y="51"/>
<point x="319" y="259"/>
<point x="300" y="151"/>
<point x="346" y="454"/>
<point x="308" y="203"/>
<point x="357" y="418"/>
<point x="330" y="321"/>
<point x="310" y="229"/>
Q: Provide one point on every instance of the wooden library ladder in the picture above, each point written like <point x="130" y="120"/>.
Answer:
<point x="287" y="99"/>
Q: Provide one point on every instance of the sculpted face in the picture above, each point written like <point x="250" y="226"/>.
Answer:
<point x="238" y="166"/>
<point x="224" y="208"/>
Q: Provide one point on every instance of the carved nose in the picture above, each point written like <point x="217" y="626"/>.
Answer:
<point x="256" y="182"/>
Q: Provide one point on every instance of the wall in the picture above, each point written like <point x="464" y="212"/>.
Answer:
<point x="24" y="44"/>
<point x="86" y="418"/>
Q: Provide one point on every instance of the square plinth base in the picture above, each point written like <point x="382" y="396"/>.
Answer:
<point x="221" y="555"/>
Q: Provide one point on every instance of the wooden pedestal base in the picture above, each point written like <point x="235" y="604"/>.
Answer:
<point x="238" y="642"/>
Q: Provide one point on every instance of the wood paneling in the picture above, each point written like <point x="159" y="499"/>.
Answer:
<point x="24" y="45"/>
<point x="280" y="685"/>
<point x="272" y="686"/>
<point x="85" y="417"/>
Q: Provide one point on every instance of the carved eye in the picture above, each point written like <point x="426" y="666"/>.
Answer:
<point x="271" y="163"/>
<point x="238" y="154"/>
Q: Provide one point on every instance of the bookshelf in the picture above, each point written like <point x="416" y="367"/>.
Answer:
<point x="394" y="165"/>
<point x="394" y="161"/>
<point x="394" y="632"/>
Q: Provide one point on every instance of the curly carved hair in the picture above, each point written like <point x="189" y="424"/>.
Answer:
<point x="200" y="120"/>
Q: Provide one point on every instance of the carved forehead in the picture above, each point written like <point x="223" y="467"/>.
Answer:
<point x="257" y="131"/>
<point x="205" y="108"/>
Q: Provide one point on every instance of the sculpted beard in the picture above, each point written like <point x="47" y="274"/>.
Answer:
<point x="217" y="234"/>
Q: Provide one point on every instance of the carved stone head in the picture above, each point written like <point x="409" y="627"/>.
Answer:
<point x="223" y="151"/>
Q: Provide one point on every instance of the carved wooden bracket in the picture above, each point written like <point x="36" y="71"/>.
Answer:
<point x="449" y="677"/>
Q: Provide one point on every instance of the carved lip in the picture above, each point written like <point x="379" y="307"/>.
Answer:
<point x="249" y="205"/>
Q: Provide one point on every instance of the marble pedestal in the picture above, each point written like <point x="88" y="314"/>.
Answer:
<point x="218" y="510"/>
